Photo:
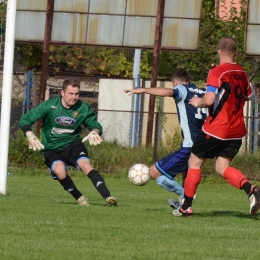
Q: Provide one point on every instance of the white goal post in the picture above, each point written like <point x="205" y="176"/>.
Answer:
<point x="7" y="92"/>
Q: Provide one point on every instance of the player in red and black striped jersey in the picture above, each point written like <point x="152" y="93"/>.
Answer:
<point x="227" y="90"/>
<point x="226" y="119"/>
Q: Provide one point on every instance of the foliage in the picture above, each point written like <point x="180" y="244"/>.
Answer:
<point x="20" y="155"/>
<point x="29" y="56"/>
<point x="145" y="65"/>
<point x="120" y="158"/>
<point x="2" y="18"/>
<point x="101" y="61"/>
<point x="172" y="142"/>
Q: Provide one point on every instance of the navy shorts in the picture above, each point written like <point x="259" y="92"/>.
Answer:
<point x="174" y="163"/>
<point x="69" y="156"/>
<point x="206" y="146"/>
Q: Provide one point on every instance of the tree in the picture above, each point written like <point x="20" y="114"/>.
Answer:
<point x="102" y="61"/>
<point x="29" y="56"/>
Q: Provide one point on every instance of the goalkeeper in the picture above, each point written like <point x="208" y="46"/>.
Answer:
<point x="62" y="144"/>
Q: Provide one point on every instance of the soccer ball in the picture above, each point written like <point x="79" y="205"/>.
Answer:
<point x="139" y="174"/>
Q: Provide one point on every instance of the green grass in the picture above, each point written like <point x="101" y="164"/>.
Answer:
<point x="39" y="220"/>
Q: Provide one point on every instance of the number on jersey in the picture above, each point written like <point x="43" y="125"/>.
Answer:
<point x="201" y="111"/>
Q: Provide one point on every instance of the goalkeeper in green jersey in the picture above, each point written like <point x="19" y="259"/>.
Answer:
<point x="62" y="144"/>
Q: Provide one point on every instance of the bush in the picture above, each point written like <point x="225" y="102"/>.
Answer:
<point x="112" y="158"/>
<point x="20" y="155"/>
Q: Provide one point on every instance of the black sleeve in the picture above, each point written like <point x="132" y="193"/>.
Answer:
<point x="26" y="128"/>
<point x="175" y="92"/>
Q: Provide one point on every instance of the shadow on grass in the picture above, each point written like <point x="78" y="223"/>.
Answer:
<point x="227" y="213"/>
<point x="102" y="204"/>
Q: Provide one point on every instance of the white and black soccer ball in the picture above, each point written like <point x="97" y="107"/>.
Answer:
<point x="139" y="174"/>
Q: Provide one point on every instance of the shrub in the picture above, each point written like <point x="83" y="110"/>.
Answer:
<point x="115" y="159"/>
<point x="20" y="155"/>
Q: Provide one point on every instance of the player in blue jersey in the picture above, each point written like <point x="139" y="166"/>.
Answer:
<point x="190" y="119"/>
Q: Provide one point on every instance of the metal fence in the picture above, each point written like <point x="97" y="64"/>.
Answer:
<point x="124" y="118"/>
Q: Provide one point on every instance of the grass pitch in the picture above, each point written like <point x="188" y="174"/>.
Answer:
<point x="39" y="220"/>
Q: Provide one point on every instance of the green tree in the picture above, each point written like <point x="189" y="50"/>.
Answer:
<point x="104" y="61"/>
<point x="29" y="56"/>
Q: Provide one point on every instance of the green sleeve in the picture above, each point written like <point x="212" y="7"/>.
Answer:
<point x="91" y="121"/>
<point x="33" y="115"/>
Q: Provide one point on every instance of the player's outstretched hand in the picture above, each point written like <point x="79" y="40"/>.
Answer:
<point x="133" y="91"/>
<point x="93" y="138"/>
<point x="34" y="142"/>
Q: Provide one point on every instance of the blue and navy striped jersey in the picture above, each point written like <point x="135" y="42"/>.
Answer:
<point x="190" y="118"/>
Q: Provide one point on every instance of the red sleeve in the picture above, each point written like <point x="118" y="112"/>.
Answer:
<point x="249" y="91"/>
<point x="213" y="78"/>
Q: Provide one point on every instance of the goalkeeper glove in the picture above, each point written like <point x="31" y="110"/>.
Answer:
<point x="34" y="142"/>
<point x="93" y="137"/>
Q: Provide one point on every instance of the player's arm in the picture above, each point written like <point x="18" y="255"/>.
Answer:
<point x="207" y="100"/>
<point x="26" y="122"/>
<point x="32" y="116"/>
<point x="164" y="92"/>
<point x="94" y="127"/>
<point x="249" y="93"/>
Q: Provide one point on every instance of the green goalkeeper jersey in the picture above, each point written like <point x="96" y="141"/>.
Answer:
<point x="61" y="126"/>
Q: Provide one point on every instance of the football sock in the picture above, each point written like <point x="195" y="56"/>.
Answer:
<point x="99" y="183"/>
<point x="192" y="181"/>
<point x="246" y="187"/>
<point x="234" y="177"/>
<point x="190" y="186"/>
<point x="70" y="187"/>
<point x="170" y="185"/>
<point x="187" y="202"/>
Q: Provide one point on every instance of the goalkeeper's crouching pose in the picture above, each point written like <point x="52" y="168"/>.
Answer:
<point x="62" y="144"/>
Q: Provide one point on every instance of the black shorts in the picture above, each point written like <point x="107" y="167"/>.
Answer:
<point x="69" y="156"/>
<point x="206" y="146"/>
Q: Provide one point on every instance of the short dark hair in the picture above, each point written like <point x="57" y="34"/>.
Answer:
<point x="181" y="75"/>
<point x="73" y="82"/>
<point x="228" y="45"/>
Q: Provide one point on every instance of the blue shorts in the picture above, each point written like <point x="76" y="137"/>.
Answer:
<point x="174" y="163"/>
